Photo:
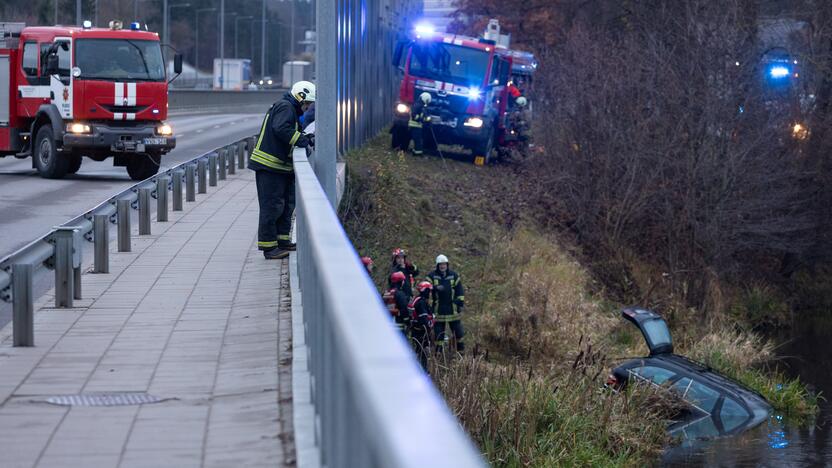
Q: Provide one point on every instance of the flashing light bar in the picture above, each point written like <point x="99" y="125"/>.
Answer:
<point x="778" y="71"/>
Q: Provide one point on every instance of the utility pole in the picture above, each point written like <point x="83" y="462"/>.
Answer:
<point x="262" y="40"/>
<point x="222" y="42"/>
<point x="292" y="31"/>
<point x="78" y="20"/>
<point x="326" y="109"/>
<point x="165" y="39"/>
<point x="56" y="11"/>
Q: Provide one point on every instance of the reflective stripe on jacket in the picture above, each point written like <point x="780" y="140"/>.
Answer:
<point x="279" y="134"/>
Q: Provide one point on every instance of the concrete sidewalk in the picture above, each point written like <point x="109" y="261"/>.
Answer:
<point x="191" y="316"/>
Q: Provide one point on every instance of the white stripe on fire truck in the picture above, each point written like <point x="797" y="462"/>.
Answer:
<point x="131" y="94"/>
<point x="130" y="116"/>
<point x="118" y="116"/>
<point x="119" y="97"/>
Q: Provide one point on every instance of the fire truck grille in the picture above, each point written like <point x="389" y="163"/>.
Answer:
<point x="125" y="109"/>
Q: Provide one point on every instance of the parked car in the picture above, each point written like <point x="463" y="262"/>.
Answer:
<point x="717" y="405"/>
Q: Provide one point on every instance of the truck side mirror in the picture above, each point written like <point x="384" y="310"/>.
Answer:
<point x="177" y="63"/>
<point x="51" y="64"/>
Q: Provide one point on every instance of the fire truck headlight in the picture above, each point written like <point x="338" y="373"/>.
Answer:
<point x="474" y="93"/>
<point x="164" y="130"/>
<point x="474" y="122"/>
<point x="402" y="108"/>
<point x="78" y="128"/>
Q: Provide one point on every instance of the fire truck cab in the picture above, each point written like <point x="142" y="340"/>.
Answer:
<point x="69" y="92"/>
<point x="468" y="81"/>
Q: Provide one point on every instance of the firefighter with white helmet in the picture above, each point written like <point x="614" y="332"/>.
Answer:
<point x="418" y="117"/>
<point x="448" y="302"/>
<point x="271" y="159"/>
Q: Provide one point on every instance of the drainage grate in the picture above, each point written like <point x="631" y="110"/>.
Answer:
<point x="104" y="399"/>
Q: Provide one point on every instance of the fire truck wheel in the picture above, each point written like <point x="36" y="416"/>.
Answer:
<point x="74" y="164"/>
<point x="48" y="162"/>
<point x="485" y="147"/>
<point x="143" y="166"/>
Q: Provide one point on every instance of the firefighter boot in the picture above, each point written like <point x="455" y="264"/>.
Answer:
<point x="287" y="245"/>
<point x="275" y="254"/>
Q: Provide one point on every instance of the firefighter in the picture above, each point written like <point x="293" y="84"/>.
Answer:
<point x="410" y="271"/>
<point x="518" y="120"/>
<point x="418" y="117"/>
<point x="271" y="159"/>
<point x="421" y="321"/>
<point x="397" y="300"/>
<point x="368" y="264"/>
<point x="448" y="303"/>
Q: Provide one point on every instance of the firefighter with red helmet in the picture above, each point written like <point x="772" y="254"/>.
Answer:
<point x="448" y="302"/>
<point x="421" y="321"/>
<point x="397" y="301"/>
<point x="368" y="264"/>
<point x="400" y="263"/>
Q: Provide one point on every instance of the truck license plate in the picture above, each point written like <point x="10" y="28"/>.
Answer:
<point x="155" y="141"/>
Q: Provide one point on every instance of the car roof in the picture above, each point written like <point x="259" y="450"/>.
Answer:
<point x="698" y="371"/>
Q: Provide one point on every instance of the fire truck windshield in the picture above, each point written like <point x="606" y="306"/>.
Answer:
<point x="119" y="60"/>
<point x="448" y="62"/>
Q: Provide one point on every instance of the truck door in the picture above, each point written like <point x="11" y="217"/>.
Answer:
<point x="60" y="81"/>
<point x="32" y="90"/>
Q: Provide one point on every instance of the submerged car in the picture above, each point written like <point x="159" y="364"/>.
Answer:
<point x="717" y="405"/>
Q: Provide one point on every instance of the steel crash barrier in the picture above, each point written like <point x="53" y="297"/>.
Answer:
<point x="374" y="405"/>
<point x="61" y="249"/>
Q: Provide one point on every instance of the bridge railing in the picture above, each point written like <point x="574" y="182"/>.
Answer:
<point x="375" y="406"/>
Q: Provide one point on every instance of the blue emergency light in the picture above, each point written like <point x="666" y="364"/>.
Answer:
<point x="474" y="93"/>
<point x="778" y="71"/>
<point x="135" y="26"/>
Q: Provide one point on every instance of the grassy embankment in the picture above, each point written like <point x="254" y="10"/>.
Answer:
<point x="541" y="333"/>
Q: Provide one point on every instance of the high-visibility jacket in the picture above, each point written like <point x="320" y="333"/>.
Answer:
<point x="418" y="114"/>
<point x="279" y="134"/>
<point x="448" y="295"/>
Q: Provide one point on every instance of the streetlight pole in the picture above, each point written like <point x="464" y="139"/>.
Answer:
<point x="236" y="27"/>
<point x="196" y="59"/>
<point x="222" y="42"/>
<point x="78" y="20"/>
<point x="262" y="38"/>
<point x="166" y="19"/>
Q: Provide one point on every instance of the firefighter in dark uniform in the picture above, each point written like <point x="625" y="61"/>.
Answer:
<point x="410" y="271"/>
<point x="448" y="302"/>
<point x="418" y="117"/>
<point x="421" y="321"/>
<point x="397" y="301"/>
<point x="271" y="159"/>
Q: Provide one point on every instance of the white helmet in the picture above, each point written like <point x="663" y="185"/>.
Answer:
<point x="425" y="97"/>
<point x="521" y="101"/>
<point x="303" y="91"/>
<point x="441" y="259"/>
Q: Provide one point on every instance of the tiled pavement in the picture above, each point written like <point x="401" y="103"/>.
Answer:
<point x="191" y="315"/>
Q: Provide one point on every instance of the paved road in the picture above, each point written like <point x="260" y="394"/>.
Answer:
<point x="30" y="205"/>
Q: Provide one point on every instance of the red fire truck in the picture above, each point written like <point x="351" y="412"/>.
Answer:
<point x="69" y="92"/>
<point x="467" y="79"/>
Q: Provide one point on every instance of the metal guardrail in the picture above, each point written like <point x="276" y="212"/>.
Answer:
<point x="377" y="408"/>
<point x="61" y="248"/>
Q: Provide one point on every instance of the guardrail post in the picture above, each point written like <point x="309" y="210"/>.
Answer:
<point x="177" y="191"/>
<point x="64" y="271"/>
<point x="232" y="159"/>
<point x="202" y="169"/>
<point x="123" y="215"/>
<point x="162" y="199"/>
<point x="101" y="237"/>
<point x="144" y="211"/>
<point x="23" y="308"/>
<point x="241" y="154"/>
<point x="212" y="169"/>
<point x="190" y="181"/>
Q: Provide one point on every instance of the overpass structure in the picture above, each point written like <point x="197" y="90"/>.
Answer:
<point x="169" y="341"/>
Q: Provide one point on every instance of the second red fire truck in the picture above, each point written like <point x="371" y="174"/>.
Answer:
<point x="73" y="92"/>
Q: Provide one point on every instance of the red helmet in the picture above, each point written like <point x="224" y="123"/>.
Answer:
<point x="399" y="252"/>
<point x="367" y="261"/>
<point x="397" y="277"/>
<point x="424" y="285"/>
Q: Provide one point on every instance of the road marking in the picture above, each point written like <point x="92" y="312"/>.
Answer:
<point x="181" y="135"/>
<point x="199" y="130"/>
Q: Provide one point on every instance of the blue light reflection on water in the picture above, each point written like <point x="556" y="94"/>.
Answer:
<point x="777" y="438"/>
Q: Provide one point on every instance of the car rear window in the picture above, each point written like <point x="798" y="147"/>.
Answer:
<point x="702" y="396"/>
<point x="657" y="375"/>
